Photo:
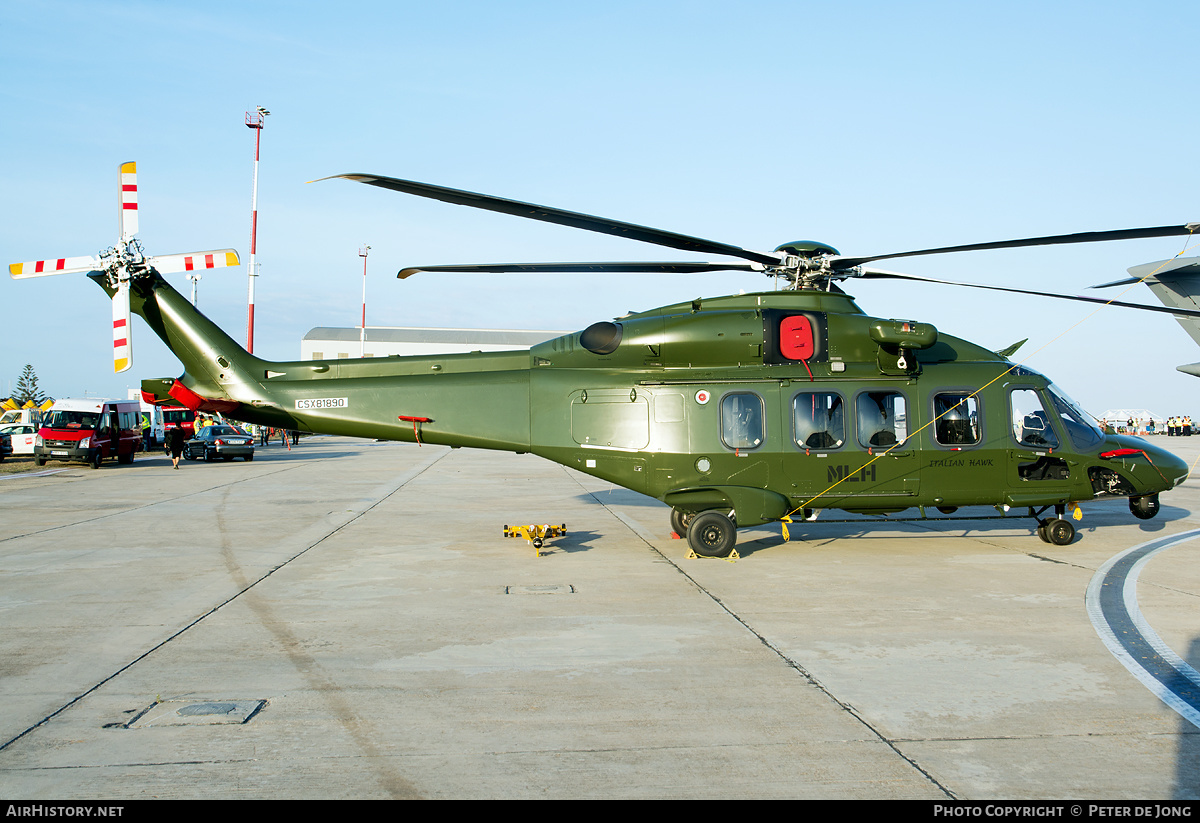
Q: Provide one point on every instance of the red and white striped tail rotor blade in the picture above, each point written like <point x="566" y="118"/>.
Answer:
<point x="194" y="261"/>
<point x="43" y="268"/>
<point x="122" y="341"/>
<point x="127" y="202"/>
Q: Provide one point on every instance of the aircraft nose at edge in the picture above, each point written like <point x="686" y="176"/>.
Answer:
<point x="1174" y="468"/>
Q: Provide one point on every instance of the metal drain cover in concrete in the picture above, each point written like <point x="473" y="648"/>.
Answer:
<point x="197" y="713"/>
<point x="550" y="588"/>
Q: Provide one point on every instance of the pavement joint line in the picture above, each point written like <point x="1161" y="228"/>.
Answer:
<point x="649" y="540"/>
<point x="404" y="480"/>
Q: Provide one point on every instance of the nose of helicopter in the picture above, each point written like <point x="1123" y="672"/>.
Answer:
<point x="1173" y="467"/>
<point x="1172" y="470"/>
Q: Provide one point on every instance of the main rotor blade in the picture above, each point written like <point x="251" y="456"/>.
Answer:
<point x="842" y="263"/>
<point x="546" y="214"/>
<point x="880" y="274"/>
<point x="653" y="268"/>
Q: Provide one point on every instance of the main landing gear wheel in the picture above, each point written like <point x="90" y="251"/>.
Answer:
<point x="680" y="521"/>
<point x="1058" y="532"/>
<point x="711" y="534"/>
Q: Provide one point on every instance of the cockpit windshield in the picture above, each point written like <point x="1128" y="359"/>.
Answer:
<point x="1080" y="426"/>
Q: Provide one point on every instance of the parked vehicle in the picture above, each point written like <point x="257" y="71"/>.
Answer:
<point x="90" y="430"/>
<point x="23" y="436"/>
<point x="5" y="446"/>
<point x="31" y="417"/>
<point x="177" y="417"/>
<point x="225" y="442"/>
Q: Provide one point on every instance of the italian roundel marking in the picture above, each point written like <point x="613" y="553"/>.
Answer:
<point x="703" y="396"/>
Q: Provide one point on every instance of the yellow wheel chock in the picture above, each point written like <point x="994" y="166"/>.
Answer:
<point x="537" y="535"/>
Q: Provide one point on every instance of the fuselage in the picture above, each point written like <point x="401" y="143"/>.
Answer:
<point x="760" y="403"/>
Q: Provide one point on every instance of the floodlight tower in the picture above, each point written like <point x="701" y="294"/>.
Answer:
<point x="254" y="120"/>
<point x="362" y="335"/>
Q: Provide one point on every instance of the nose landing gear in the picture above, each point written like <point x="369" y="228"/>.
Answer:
<point x="1145" y="507"/>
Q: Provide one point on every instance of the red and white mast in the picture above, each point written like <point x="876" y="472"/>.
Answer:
<point x="254" y="120"/>
<point x="362" y="335"/>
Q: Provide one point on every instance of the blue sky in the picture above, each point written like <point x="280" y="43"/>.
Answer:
<point x="873" y="127"/>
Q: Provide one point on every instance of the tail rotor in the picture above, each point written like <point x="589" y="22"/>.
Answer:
<point x="123" y="264"/>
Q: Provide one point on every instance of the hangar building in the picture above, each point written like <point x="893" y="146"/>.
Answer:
<point x="327" y="343"/>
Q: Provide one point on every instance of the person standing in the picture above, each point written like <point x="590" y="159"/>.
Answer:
<point x="175" y="445"/>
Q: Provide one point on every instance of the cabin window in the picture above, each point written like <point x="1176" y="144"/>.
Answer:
<point x="882" y="418"/>
<point x="956" y="419"/>
<point x="742" y="421"/>
<point x="1030" y="421"/>
<point x="819" y="420"/>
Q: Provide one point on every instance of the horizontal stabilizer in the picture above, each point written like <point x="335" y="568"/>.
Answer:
<point x="156" y="390"/>
<point x="1176" y="283"/>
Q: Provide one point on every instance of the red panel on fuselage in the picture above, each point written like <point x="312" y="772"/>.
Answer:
<point x="796" y="338"/>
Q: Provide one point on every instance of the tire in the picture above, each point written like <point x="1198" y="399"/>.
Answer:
<point x="1145" y="507"/>
<point x="711" y="534"/>
<point x="249" y="457"/>
<point x="95" y="459"/>
<point x="680" y="521"/>
<point x="208" y="456"/>
<point x="1060" y="532"/>
<point x="1041" y="530"/>
<point x="39" y="460"/>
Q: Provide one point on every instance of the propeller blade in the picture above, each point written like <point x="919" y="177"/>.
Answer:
<point x="881" y="274"/>
<point x="122" y="342"/>
<point x="547" y="214"/>
<point x="842" y="263"/>
<point x="127" y="202"/>
<point x="654" y="268"/>
<point x="191" y="261"/>
<point x="44" y="268"/>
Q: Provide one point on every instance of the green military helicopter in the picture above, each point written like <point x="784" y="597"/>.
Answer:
<point x="735" y="411"/>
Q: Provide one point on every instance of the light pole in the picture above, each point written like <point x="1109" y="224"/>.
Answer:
<point x="254" y="120"/>
<point x="362" y="335"/>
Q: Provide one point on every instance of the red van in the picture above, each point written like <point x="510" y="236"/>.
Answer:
<point x="90" y="430"/>
<point x="177" y="417"/>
